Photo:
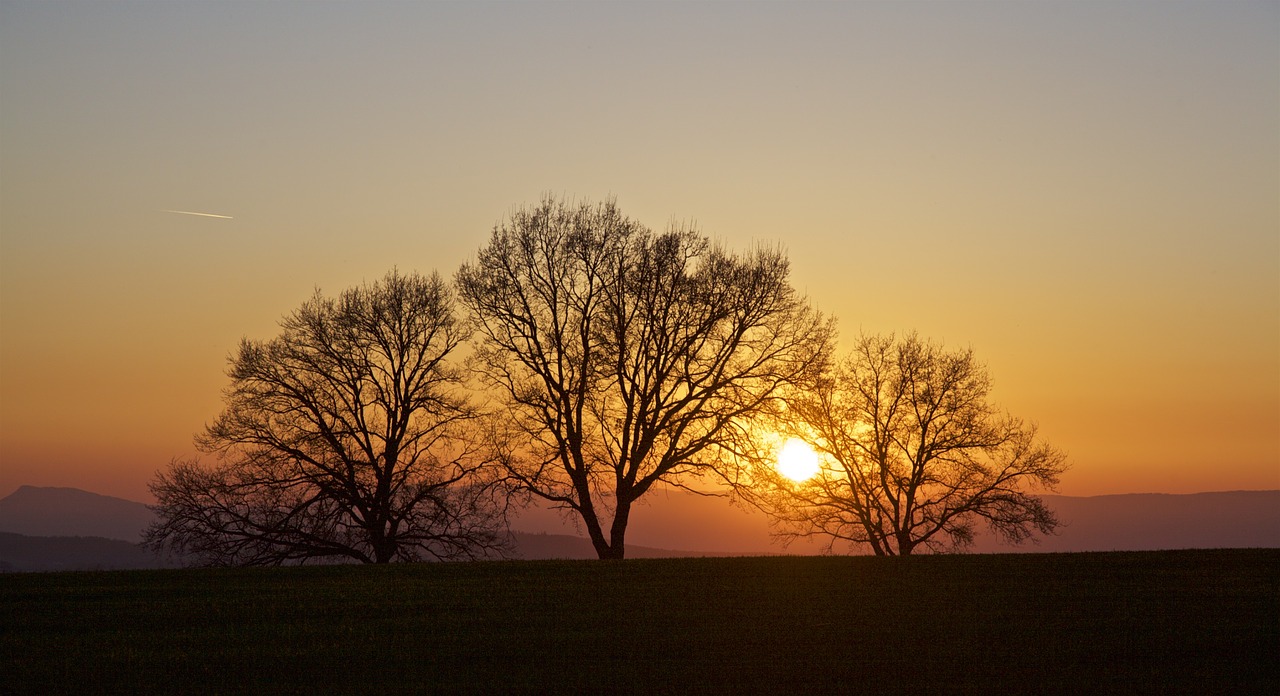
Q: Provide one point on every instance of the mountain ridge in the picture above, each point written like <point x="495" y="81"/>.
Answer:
<point x="671" y="524"/>
<point x="71" y="512"/>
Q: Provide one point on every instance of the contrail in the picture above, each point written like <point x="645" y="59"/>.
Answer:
<point x="188" y="212"/>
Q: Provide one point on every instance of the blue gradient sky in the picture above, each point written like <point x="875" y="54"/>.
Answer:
<point x="1088" y="194"/>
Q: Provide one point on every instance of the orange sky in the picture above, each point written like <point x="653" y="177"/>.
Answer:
<point x="1086" y="194"/>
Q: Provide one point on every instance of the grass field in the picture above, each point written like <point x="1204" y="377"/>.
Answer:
<point x="1190" y="622"/>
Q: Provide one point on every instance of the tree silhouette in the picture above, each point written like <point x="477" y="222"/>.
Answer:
<point x="347" y="436"/>
<point x="623" y="358"/>
<point x="915" y="455"/>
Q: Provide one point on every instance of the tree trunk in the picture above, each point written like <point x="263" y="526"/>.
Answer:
<point x="618" y="532"/>
<point x="877" y="545"/>
<point x="905" y="544"/>
<point x="611" y="552"/>
<point x="589" y="518"/>
<point x="384" y="548"/>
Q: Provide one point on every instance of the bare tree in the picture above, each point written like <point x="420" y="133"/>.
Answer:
<point x="345" y="437"/>
<point x="915" y="455"/>
<point x="624" y="358"/>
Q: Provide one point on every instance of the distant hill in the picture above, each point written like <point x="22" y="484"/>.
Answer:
<point x="542" y="546"/>
<point x="23" y="554"/>
<point x="71" y="512"/>
<point x="1133" y="522"/>
<point x="1156" y="521"/>
<point x="19" y="553"/>
<point x="683" y="521"/>
<point x="71" y="529"/>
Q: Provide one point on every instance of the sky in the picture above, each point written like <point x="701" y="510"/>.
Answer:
<point x="1085" y="193"/>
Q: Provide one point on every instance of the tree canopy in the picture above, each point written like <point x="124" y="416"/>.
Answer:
<point x="915" y="455"/>
<point x="348" y="436"/>
<point x="623" y="358"/>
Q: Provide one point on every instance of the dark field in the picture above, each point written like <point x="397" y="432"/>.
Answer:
<point x="1150" y="622"/>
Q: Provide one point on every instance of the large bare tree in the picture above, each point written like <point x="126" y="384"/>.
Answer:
<point x="914" y="455"/>
<point x="345" y="437"/>
<point x="623" y="358"/>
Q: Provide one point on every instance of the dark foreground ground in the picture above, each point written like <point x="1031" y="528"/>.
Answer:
<point x="1191" y="622"/>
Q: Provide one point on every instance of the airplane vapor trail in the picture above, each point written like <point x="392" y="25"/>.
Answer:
<point x="188" y="212"/>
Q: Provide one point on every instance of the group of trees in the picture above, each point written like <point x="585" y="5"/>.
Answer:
<point x="604" y="359"/>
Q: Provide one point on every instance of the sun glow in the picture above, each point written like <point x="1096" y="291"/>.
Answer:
<point x="797" y="460"/>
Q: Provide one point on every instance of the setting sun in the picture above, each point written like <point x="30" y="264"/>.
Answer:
<point x="797" y="460"/>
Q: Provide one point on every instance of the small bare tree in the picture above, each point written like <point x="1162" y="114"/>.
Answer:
<point x="345" y="437"/>
<point x="915" y="455"/>
<point x="624" y="358"/>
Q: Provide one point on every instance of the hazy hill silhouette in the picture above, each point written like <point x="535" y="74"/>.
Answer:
<point x="71" y="529"/>
<point x="22" y="554"/>
<point x="1157" y="521"/>
<point x="537" y="546"/>
<point x="71" y="512"/>
<point x="679" y="520"/>
<point x="19" y="553"/>
<point x="1131" y="522"/>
